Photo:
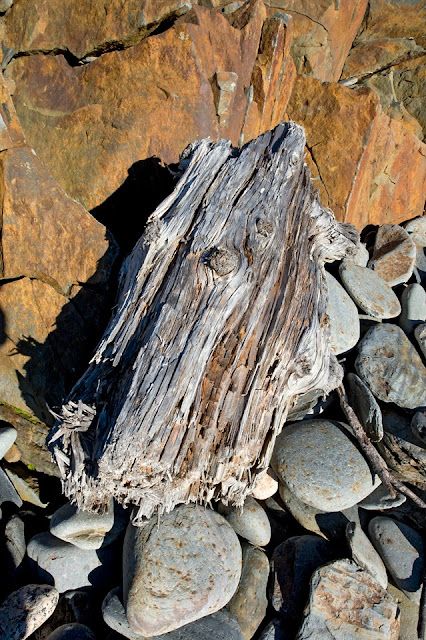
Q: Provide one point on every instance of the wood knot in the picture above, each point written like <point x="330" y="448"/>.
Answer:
<point x="221" y="260"/>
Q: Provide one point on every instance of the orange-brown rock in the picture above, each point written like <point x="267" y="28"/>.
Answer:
<point x="370" y="56"/>
<point x="323" y="33"/>
<point x="364" y="161"/>
<point x="394" y="19"/>
<point x="85" y="27"/>
<point x="90" y="123"/>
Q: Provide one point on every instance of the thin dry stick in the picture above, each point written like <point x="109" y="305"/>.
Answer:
<point x="377" y="463"/>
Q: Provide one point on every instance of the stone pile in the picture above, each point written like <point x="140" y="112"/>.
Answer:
<point x="97" y="102"/>
<point x="322" y="547"/>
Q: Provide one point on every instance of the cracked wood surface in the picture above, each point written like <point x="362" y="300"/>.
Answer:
<point x="220" y="323"/>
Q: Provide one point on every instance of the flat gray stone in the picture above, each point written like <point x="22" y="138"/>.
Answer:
<point x="365" y="610"/>
<point x="418" y="426"/>
<point x="369" y="291"/>
<point x="364" y="554"/>
<point x="394" y="254"/>
<point x="250" y="522"/>
<point x="343" y="315"/>
<point x="420" y="335"/>
<point x="72" y="631"/>
<point x="365" y="406"/>
<point x="8" y="492"/>
<point x="401" y="549"/>
<point x="292" y="565"/>
<point x="416" y="228"/>
<point x="321" y="466"/>
<point x="15" y="550"/>
<point x="83" y="529"/>
<point x="26" y="485"/>
<point x="176" y="572"/>
<point x="409" y="614"/>
<point x="26" y="609"/>
<point x="380" y="498"/>
<point x="248" y="604"/>
<point x="7" y="438"/>
<point x="391" y="367"/>
<point x="413" y="303"/>
<point x="115" y="617"/>
<point x="68" y="566"/>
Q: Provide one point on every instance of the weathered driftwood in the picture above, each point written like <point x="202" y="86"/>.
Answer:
<point x="220" y="323"/>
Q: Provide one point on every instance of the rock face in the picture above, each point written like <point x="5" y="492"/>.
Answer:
<point x="186" y="568"/>
<point x="313" y="458"/>
<point x="101" y="118"/>
<point x="373" y="185"/>
<point x="343" y="587"/>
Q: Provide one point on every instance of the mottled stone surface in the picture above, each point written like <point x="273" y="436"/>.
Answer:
<point x="177" y="572"/>
<point x="24" y="610"/>
<point x="343" y="315"/>
<point x="370" y="292"/>
<point x="248" y="604"/>
<point x="321" y="466"/>
<point x="8" y="492"/>
<point x="7" y="438"/>
<point x="394" y="254"/>
<point x="418" y="426"/>
<point x="366" y="611"/>
<point x="266" y="486"/>
<point x="420" y="335"/>
<point x="365" y="406"/>
<point x="72" y="631"/>
<point x="392" y="368"/>
<point x="250" y="522"/>
<point x="402" y="551"/>
<point x="26" y="484"/>
<point x="364" y="554"/>
<point x="380" y="499"/>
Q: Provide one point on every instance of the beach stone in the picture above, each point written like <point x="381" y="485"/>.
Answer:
<point x="365" y="406"/>
<point x="401" y="549"/>
<point x="68" y="566"/>
<point x="15" y="549"/>
<point x="26" y="485"/>
<point x="292" y="565"/>
<point x="7" y="438"/>
<point x="73" y="606"/>
<point x="177" y="571"/>
<point x="220" y="625"/>
<point x="266" y="486"/>
<point x="420" y="335"/>
<point x="248" y="604"/>
<point x="360" y="257"/>
<point x="84" y="529"/>
<point x="418" y="426"/>
<point x="364" y="554"/>
<point x="413" y="303"/>
<point x="365" y="610"/>
<point x="72" y="631"/>
<point x="343" y="316"/>
<point x="322" y="467"/>
<point x="369" y="291"/>
<point x="8" y="492"/>
<point x="5" y="5"/>
<point x="402" y="450"/>
<point x="394" y="254"/>
<point x="312" y="403"/>
<point x="250" y="522"/>
<point x="409" y="614"/>
<point x="380" y="498"/>
<point x="416" y="228"/>
<point x="391" y="367"/>
<point x="26" y="609"/>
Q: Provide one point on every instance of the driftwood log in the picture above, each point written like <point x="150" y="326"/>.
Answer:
<point x="220" y="323"/>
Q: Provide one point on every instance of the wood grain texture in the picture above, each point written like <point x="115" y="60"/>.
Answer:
<point x="220" y="323"/>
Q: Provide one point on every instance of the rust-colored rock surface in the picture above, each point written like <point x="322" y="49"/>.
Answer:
<point x="85" y="27"/>
<point x="363" y="161"/>
<point x="151" y="99"/>
<point x="323" y="33"/>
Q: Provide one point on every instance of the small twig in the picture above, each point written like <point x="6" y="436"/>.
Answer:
<point x="421" y="626"/>
<point x="375" y="459"/>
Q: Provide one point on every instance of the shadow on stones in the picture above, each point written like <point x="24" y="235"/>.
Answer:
<point x="126" y="211"/>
